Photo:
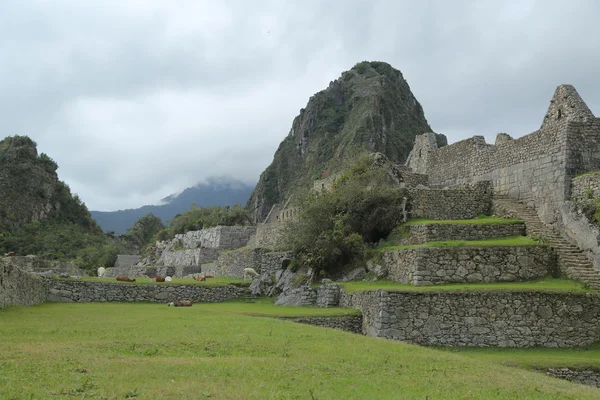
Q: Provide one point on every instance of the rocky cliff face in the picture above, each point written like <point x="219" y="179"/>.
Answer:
<point x="370" y="105"/>
<point x="31" y="190"/>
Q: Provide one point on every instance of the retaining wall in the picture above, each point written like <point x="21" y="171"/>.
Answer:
<point x="85" y="292"/>
<point x="349" y="323"/>
<point x="18" y="287"/>
<point x="504" y="319"/>
<point x="232" y="263"/>
<point x="440" y="265"/>
<point x="423" y="233"/>
<point x="585" y="187"/>
<point x="457" y="202"/>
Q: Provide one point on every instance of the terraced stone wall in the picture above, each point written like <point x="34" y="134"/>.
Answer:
<point x="440" y="265"/>
<point x="232" y="263"/>
<point x="423" y="233"/>
<point x="18" y="287"/>
<point x="505" y="319"/>
<point x="85" y="292"/>
<point x="458" y="202"/>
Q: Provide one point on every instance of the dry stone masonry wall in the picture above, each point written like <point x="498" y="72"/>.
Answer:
<point x="440" y="265"/>
<point x="504" y="319"/>
<point x="349" y="323"/>
<point x="423" y="233"/>
<point x="18" y="287"/>
<point x="85" y="292"/>
<point x="232" y="263"/>
<point x="220" y="237"/>
<point x="267" y="235"/>
<point x="459" y="202"/>
<point x="536" y="168"/>
<point x="585" y="187"/>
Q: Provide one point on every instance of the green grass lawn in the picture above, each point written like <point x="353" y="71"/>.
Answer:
<point x="537" y="358"/>
<point x="547" y="284"/>
<point x="474" y="221"/>
<point x="150" y="351"/>
<point x="506" y="241"/>
<point x="216" y="281"/>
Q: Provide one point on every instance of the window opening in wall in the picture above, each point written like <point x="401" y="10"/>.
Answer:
<point x="420" y="152"/>
<point x="559" y="114"/>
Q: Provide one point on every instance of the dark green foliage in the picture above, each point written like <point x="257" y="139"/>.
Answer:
<point x="369" y="105"/>
<point x="38" y="213"/>
<point x="144" y="230"/>
<point x="333" y="228"/>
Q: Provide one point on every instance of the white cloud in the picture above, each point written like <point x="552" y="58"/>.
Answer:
<point x="136" y="100"/>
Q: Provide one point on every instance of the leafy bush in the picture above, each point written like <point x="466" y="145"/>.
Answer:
<point x="333" y="228"/>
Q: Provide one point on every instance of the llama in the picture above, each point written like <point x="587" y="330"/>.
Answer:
<point x="101" y="272"/>
<point x="199" y="278"/>
<point x="123" y="278"/>
<point x="249" y="272"/>
<point x="156" y="278"/>
<point x="168" y="279"/>
<point x="180" y="303"/>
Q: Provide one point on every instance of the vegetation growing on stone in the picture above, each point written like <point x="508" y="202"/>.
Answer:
<point x="370" y="105"/>
<point x="38" y="213"/>
<point x="202" y="218"/>
<point x="144" y="230"/>
<point x="333" y="228"/>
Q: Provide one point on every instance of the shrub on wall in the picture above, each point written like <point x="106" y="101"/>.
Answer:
<point x="333" y="228"/>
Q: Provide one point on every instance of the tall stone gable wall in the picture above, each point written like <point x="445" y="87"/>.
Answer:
<point x="536" y="168"/>
<point x="18" y="287"/>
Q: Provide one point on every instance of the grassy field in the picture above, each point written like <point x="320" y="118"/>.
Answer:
<point x="148" y="351"/>
<point x="547" y="284"/>
<point x="474" y="221"/>
<point x="536" y="358"/>
<point x="506" y="241"/>
<point x="216" y="281"/>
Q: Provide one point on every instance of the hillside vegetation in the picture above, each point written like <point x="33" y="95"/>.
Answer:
<point x="215" y="192"/>
<point x="370" y="105"/>
<point x="335" y="229"/>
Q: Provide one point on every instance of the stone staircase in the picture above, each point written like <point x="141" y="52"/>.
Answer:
<point x="572" y="262"/>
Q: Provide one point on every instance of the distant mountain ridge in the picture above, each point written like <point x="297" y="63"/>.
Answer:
<point x="370" y="105"/>
<point x="215" y="192"/>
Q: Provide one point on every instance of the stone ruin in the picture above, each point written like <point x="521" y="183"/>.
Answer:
<point x="537" y="178"/>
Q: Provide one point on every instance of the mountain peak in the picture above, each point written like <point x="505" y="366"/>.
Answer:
<point x="370" y="105"/>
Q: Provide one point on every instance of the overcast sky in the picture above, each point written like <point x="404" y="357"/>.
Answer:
<point x="139" y="99"/>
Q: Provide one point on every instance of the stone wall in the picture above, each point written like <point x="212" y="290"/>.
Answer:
<point x="267" y="235"/>
<point x="18" y="287"/>
<point x="584" y="377"/>
<point x="585" y="187"/>
<point x="504" y="319"/>
<point x="328" y="295"/>
<point x="232" y="263"/>
<point x="219" y="237"/>
<point x="188" y="257"/>
<point x="536" y="168"/>
<point x="423" y="233"/>
<point x="440" y="265"/>
<point x="349" y="323"/>
<point x="37" y="265"/>
<point x="127" y="260"/>
<point x="85" y="292"/>
<point x="459" y="202"/>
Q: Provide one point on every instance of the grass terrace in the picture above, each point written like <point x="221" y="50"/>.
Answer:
<point x="505" y="241"/>
<point x="150" y="351"/>
<point x="216" y="281"/>
<point x="536" y="358"/>
<point x="547" y="284"/>
<point x="484" y="220"/>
